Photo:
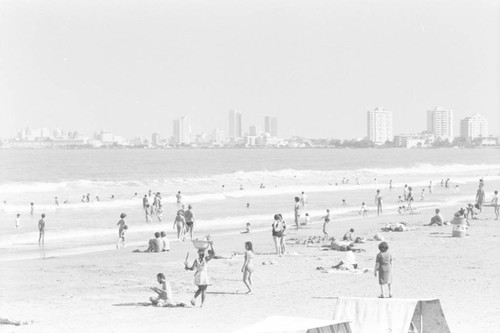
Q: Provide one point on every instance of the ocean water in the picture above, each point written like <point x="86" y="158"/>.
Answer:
<point x="211" y="181"/>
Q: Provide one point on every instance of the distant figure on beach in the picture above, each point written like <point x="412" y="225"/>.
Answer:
<point x="112" y="196"/>
<point x="422" y="194"/>
<point x="457" y="189"/>
<point x="344" y="203"/>
<point x="277" y="231"/>
<point x="32" y="208"/>
<point x="121" y="233"/>
<point x="201" y="275"/>
<point x="470" y="211"/>
<point x="223" y="188"/>
<point x="147" y="211"/>
<point x="18" y="220"/>
<point x="283" y="234"/>
<point x="83" y="198"/>
<point x="348" y="235"/>
<point x="326" y="220"/>
<point x="241" y="187"/>
<point x="446" y="183"/>
<point x="97" y="198"/>
<point x="405" y="193"/>
<point x="296" y="211"/>
<point x="41" y="230"/>
<point x="178" y="196"/>
<point x="436" y="219"/>
<point x="262" y="185"/>
<point x="409" y="196"/>
<point x="494" y="201"/>
<point x="357" y="181"/>
<point x="480" y="197"/>
<point x="248" y="205"/>
<point x="390" y="185"/>
<point x="247" y="268"/>
<point x="307" y="219"/>
<point x="430" y="187"/>
<point x="189" y="217"/>
<point x="442" y="182"/>
<point x="165" y="242"/>
<point x="56" y="201"/>
<point x="87" y="197"/>
<point x="247" y="228"/>
<point x="179" y="225"/>
<point x="378" y="202"/>
<point x="149" y="193"/>
<point x="303" y="199"/>
<point x="383" y="267"/>
<point x="400" y="199"/>
<point x="145" y="202"/>
<point x="363" y="211"/>
<point x="375" y="180"/>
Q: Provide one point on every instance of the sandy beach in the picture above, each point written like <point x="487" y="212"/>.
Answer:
<point x="103" y="290"/>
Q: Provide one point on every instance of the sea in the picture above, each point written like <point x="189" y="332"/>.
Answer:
<point x="226" y="187"/>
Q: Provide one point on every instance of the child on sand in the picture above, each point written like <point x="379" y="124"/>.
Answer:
<point x="307" y="219"/>
<point x="326" y="219"/>
<point x="247" y="229"/>
<point x="247" y="268"/>
<point x="383" y="267"/>
<point x="363" y="210"/>
<point x="121" y="225"/>
<point x="348" y="235"/>
<point x="121" y="238"/>
<point x="201" y="275"/>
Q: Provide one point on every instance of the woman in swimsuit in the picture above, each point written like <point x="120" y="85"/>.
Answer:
<point x="277" y="233"/>
<point x="247" y="268"/>
<point x="179" y="223"/>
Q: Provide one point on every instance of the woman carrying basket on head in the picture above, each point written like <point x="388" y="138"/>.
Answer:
<point x="201" y="275"/>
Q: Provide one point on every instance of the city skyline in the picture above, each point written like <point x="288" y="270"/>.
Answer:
<point x="319" y="63"/>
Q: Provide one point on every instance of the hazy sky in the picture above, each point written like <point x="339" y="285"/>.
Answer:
<point x="131" y="67"/>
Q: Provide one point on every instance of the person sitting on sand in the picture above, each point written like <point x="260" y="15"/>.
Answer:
<point x="247" y="229"/>
<point x="348" y="235"/>
<point x="348" y="263"/>
<point x="165" y="294"/>
<point x="436" y="219"/>
<point x="164" y="241"/>
<point x="154" y="245"/>
<point x="470" y="211"/>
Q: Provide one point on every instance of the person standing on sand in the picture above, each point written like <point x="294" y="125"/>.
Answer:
<point x="378" y="202"/>
<point x="201" y="275"/>
<point x="494" y="201"/>
<point x="303" y="199"/>
<point x="383" y="267"/>
<point x="189" y="217"/>
<point x="390" y="185"/>
<point x="277" y="233"/>
<point x="180" y="224"/>
<point x="430" y="187"/>
<point x="480" y="196"/>
<point x="121" y="225"/>
<point x="41" y="229"/>
<point x="283" y="235"/>
<point x="297" y="212"/>
<point x="32" y="208"/>
<point x="405" y="193"/>
<point x="247" y="268"/>
<point x="145" y="202"/>
<point x="18" y="220"/>
<point x="326" y="219"/>
<point x="178" y="196"/>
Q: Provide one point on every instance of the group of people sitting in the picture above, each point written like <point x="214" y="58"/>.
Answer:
<point x="158" y="244"/>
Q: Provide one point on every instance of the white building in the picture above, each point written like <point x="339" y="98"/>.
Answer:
<point x="473" y="127"/>
<point x="155" y="139"/>
<point x="271" y="125"/>
<point x="235" y="133"/>
<point x="380" y="126"/>
<point x="182" y="131"/>
<point x="440" y="123"/>
<point x="106" y="137"/>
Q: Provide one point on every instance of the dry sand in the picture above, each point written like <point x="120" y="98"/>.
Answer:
<point x="101" y="291"/>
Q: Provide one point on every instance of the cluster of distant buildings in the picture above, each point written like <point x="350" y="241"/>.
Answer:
<point x="439" y="132"/>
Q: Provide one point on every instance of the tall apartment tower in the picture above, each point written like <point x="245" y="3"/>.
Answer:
<point x="380" y="126"/>
<point x="473" y="127"/>
<point x="271" y="125"/>
<point x="234" y="125"/>
<point x="182" y="131"/>
<point x="440" y="123"/>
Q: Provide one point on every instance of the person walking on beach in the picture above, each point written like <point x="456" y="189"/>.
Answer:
<point x="189" y="217"/>
<point x="430" y="187"/>
<point x="41" y="230"/>
<point x="145" y="202"/>
<point x="303" y="199"/>
<point x="201" y="275"/>
<point x="422" y="194"/>
<point x="56" y="201"/>
<point x="283" y="235"/>
<point x="383" y="267"/>
<point x="179" y="225"/>
<point x="390" y="185"/>
<point x="178" y="196"/>
<point x="32" y="208"/>
<point x="147" y="211"/>
<point x="296" y="210"/>
<point x="121" y="233"/>
<point x="405" y="193"/>
<point x="277" y="232"/>
<point x="494" y="201"/>
<point x="378" y="202"/>
<point x="18" y="220"/>
<point x="446" y="183"/>
<point x="480" y="196"/>
<point x="363" y="211"/>
<point x="247" y="268"/>
<point x="326" y="220"/>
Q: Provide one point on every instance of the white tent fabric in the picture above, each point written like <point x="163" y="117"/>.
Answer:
<point x="374" y="315"/>
<point x="282" y="324"/>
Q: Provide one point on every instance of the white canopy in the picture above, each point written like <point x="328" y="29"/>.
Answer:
<point x="284" y="324"/>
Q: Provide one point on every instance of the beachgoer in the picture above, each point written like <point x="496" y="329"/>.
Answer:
<point x="307" y="219"/>
<point x="247" y="229"/>
<point x="480" y="197"/>
<point x="201" y="275"/>
<point x="363" y="210"/>
<point x="189" y="217"/>
<point x="241" y="187"/>
<point x="247" y="268"/>
<point x="164" y="242"/>
<point x="147" y="211"/>
<point x="277" y="229"/>
<point x="375" y="180"/>
<point x="87" y="197"/>
<point x="446" y="183"/>
<point x="121" y="225"/>
<point x="409" y="195"/>
<point x="283" y="235"/>
<point x="41" y="229"/>
<point x="422" y="194"/>
<point x="442" y="182"/>
<point x="494" y="201"/>
<point x="383" y="267"/>
<point x="430" y="187"/>
<point x="164" y="294"/>
<point x="470" y="211"/>
<point x="159" y="211"/>
<point x="121" y="239"/>
<point x="18" y="220"/>
<point x="326" y="219"/>
<point x="349" y="262"/>
<point x="145" y="202"/>
<point x="457" y="189"/>
<point x="180" y="224"/>
<point x="248" y="205"/>
<point x="344" y="203"/>
<point x="56" y="201"/>
<point x="178" y="196"/>
<point x="390" y="185"/>
<point x="348" y="235"/>
<point x="303" y="199"/>
<point x="400" y="199"/>
<point x="97" y="198"/>
<point x="405" y="193"/>
<point x="296" y="210"/>
<point x="378" y="202"/>
<point x="32" y="208"/>
<point x="436" y="219"/>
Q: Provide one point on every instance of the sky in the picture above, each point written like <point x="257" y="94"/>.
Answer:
<point x="131" y="67"/>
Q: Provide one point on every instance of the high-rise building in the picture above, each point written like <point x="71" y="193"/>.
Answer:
<point x="217" y="136"/>
<point x="155" y="139"/>
<point x="234" y="125"/>
<point x="271" y="125"/>
<point x="474" y="126"/>
<point x="182" y="131"/>
<point x="440" y="123"/>
<point x="252" y="131"/>
<point x="380" y="126"/>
